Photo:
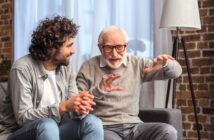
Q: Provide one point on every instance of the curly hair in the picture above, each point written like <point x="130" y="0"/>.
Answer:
<point x="51" y="33"/>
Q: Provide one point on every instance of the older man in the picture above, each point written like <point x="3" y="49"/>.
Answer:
<point x="114" y="78"/>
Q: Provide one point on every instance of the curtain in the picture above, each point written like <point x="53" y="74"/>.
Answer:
<point x="139" y="18"/>
<point x="92" y="16"/>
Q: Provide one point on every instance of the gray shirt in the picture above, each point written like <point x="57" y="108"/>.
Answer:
<point x="119" y="107"/>
<point x="25" y="90"/>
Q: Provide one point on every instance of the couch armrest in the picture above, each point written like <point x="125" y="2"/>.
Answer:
<point x="169" y="116"/>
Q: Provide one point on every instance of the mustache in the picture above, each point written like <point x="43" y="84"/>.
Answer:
<point x="114" y="58"/>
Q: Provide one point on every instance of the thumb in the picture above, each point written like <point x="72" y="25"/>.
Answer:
<point x="147" y="70"/>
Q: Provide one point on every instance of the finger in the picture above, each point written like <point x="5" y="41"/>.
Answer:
<point x="108" y="78"/>
<point x="86" y="95"/>
<point x="116" y="88"/>
<point x="76" y="103"/>
<point x="77" y="110"/>
<point x="154" y="61"/>
<point x="111" y="80"/>
<point x="84" y="92"/>
<point x="147" y="70"/>
<point x="168" y="57"/>
<point x="88" y="103"/>
<point x="90" y="96"/>
<point x="84" y="112"/>
<point x="112" y="77"/>
<point x="160" y="58"/>
<point x="85" y="98"/>
<point x="85" y="108"/>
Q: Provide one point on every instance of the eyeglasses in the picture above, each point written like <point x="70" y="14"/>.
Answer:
<point x="118" y="48"/>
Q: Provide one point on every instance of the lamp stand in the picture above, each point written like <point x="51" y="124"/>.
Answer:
<point x="179" y="40"/>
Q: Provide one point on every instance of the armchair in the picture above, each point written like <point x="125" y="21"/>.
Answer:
<point x="169" y="116"/>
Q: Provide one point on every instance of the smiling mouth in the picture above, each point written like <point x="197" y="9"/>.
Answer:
<point x="114" y="59"/>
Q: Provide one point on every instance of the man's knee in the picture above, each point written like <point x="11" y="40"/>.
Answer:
<point x="93" y="121"/>
<point x="169" y="132"/>
<point x="47" y="126"/>
<point x="110" y="135"/>
<point x="92" y="127"/>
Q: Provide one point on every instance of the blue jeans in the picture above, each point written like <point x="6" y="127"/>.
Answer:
<point x="89" y="128"/>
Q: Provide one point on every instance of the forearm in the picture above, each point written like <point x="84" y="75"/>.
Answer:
<point x="29" y="114"/>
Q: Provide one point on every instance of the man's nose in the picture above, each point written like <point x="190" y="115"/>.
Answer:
<point x="72" y="50"/>
<point x="114" y="52"/>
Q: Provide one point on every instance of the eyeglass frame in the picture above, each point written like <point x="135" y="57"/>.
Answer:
<point x="114" y="47"/>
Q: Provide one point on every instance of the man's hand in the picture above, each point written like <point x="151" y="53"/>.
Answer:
<point x="81" y="103"/>
<point x="86" y="103"/>
<point x="107" y="80"/>
<point x="158" y="63"/>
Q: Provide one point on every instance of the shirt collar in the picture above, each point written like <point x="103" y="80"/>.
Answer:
<point x="42" y="72"/>
<point x="103" y="62"/>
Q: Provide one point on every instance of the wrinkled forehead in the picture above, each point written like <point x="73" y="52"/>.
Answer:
<point x="114" y="37"/>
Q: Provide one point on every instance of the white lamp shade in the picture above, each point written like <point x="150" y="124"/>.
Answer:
<point x="182" y="14"/>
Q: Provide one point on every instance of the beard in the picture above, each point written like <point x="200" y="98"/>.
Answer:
<point x="113" y="66"/>
<point x="61" y="61"/>
<point x="108" y="62"/>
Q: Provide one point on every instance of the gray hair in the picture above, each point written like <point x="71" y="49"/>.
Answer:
<point x="110" y="28"/>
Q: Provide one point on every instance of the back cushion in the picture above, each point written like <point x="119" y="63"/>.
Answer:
<point x="3" y="89"/>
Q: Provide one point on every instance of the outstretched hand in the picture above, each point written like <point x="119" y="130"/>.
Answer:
<point x="158" y="63"/>
<point x="106" y="82"/>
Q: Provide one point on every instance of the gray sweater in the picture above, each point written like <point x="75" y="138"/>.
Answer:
<point x="119" y="107"/>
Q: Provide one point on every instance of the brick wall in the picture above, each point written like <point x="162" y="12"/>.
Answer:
<point x="5" y="37"/>
<point x="200" y="47"/>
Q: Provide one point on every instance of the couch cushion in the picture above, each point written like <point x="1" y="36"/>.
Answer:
<point x="7" y="121"/>
<point x="4" y="136"/>
<point x="3" y="88"/>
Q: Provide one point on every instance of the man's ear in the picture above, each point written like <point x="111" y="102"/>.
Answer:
<point x="126" y="47"/>
<point x="100" y="48"/>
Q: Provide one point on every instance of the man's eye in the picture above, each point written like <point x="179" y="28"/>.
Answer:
<point x="108" y="47"/>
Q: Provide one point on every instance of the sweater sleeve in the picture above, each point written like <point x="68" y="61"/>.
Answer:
<point x="85" y="82"/>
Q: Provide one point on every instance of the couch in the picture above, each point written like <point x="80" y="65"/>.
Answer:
<point x="170" y="116"/>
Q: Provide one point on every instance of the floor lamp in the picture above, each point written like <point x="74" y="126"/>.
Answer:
<point x="181" y="15"/>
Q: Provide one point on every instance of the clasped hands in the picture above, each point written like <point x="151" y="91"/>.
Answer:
<point x="107" y="80"/>
<point x="81" y="103"/>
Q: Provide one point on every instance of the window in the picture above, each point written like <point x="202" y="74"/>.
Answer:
<point x="92" y="16"/>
